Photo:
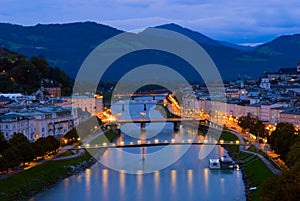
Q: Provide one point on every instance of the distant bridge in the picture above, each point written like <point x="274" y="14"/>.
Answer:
<point x="133" y="95"/>
<point x="176" y="121"/>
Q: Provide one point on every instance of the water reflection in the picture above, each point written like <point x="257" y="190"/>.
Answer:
<point x="66" y="183"/>
<point x="190" y="182"/>
<point x="122" y="183"/>
<point x="187" y="179"/>
<point x="174" y="184"/>
<point x="105" y="183"/>
<point x="139" y="187"/>
<point x="206" y="179"/>
<point x="88" y="182"/>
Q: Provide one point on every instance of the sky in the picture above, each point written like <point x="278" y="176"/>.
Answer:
<point x="239" y="21"/>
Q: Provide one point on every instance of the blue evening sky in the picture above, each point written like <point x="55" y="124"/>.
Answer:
<point x="240" y="21"/>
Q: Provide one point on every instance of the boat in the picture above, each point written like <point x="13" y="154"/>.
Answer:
<point x="214" y="164"/>
<point x="227" y="163"/>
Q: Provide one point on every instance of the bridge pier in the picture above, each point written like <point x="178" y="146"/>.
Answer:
<point x="176" y="126"/>
<point x="143" y="125"/>
<point x="153" y="97"/>
<point x="145" y="107"/>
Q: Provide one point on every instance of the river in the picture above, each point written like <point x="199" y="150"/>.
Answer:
<point x="143" y="177"/>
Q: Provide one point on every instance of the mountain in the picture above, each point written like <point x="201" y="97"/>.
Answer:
<point x="67" y="45"/>
<point x="283" y="47"/>
<point x="235" y="46"/>
<point x="196" y="36"/>
<point x="63" y="45"/>
<point x="233" y="60"/>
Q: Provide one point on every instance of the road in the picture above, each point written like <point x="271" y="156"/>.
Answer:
<point x="242" y="149"/>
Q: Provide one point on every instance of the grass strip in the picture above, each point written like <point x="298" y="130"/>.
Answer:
<point x="36" y="179"/>
<point x="255" y="171"/>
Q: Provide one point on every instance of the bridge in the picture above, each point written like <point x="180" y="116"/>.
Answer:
<point x="176" y="121"/>
<point x="133" y="95"/>
<point x="156" y="142"/>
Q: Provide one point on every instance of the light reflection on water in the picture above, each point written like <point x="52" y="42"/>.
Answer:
<point x="88" y="182"/>
<point x="187" y="179"/>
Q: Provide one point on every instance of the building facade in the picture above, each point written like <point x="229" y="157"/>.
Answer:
<point x="92" y="104"/>
<point x="14" y="123"/>
<point x="39" y="122"/>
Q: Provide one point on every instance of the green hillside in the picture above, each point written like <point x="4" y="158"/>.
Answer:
<point x="19" y="74"/>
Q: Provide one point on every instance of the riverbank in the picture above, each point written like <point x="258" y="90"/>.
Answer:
<point x="254" y="170"/>
<point x="39" y="178"/>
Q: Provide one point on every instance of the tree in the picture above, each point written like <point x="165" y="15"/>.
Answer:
<point x="3" y="143"/>
<point x="12" y="156"/>
<point x="26" y="152"/>
<point x="38" y="148"/>
<point x="245" y="122"/>
<point x="282" y="139"/>
<point x="258" y="128"/>
<point x="41" y="64"/>
<point x="286" y="185"/>
<point x="17" y="138"/>
<point x="294" y="155"/>
<point x="53" y="144"/>
<point x="271" y="189"/>
<point x="72" y="136"/>
<point x="3" y="163"/>
<point x="290" y="180"/>
<point x="254" y="125"/>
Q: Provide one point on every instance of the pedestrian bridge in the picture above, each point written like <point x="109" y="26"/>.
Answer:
<point x="157" y="142"/>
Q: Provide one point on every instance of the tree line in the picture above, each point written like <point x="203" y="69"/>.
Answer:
<point x="253" y="125"/>
<point x="19" y="74"/>
<point x="285" y="141"/>
<point x="18" y="150"/>
<point x="285" y="186"/>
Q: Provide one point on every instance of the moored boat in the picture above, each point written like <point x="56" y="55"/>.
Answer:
<point x="227" y="163"/>
<point x="214" y="164"/>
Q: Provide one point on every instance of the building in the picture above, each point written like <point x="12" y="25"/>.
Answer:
<point x="51" y="120"/>
<point x="275" y="114"/>
<point x="269" y="115"/>
<point x="15" y="123"/>
<point x="242" y="94"/>
<point x="291" y="116"/>
<point x="53" y="89"/>
<point x="55" y="92"/>
<point x="92" y="104"/>
<point x="265" y="83"/>
<point x="286" y="74"/>
<point x="14" y="96"/>
<point x="4" y="100"/>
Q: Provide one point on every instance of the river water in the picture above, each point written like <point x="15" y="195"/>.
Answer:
<point x="129" y="175"/>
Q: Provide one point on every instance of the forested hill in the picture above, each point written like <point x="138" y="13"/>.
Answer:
<point x="67" y="46"/>
<point x="20" y="74"/>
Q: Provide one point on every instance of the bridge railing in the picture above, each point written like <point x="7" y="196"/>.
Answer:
<point x="157" y="142"/>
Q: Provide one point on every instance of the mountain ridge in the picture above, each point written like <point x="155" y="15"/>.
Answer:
<point x="67" y="45"/>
